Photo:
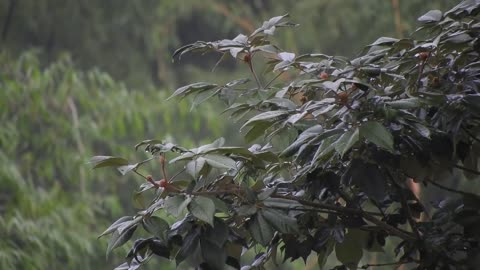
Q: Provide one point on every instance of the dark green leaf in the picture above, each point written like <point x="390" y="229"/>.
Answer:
<point x="118" y="239"/>
<point x="257" y="130"/>
<point x="246" y="210"/>
<point x="176" y="204"/>
<point x="346" y="141"/>
<point x="376" y="133"/>
<point x="191" y="88"/>
<point x="190" y="244"/>
<point x="431" y="16"/>
<point x="213" y="255"/>
<point x="195" y="167"/>
<point x="218" y="234"/>
<point x="283" y="203"/>
<point x="219" y="161"/>
<point x="324" y="253"/>
<point x="107" y="161"/>
<point x="266" y="116"/>
<point x="384" y="41"/>
<point x="260" y="230"/>
<point x="280" y="221"/>
<point x="208" y="147"/>
<point x="127" y="168"/>
<point x="407" y="103"/>
<point x="202" y="208"/>
<point x="115" y="225"/>
<point x="156" y="226"/>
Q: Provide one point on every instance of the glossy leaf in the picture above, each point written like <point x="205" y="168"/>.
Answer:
<point x="219" y="161"/>
<point x="107" y="161"/>
<point x="260" y="229"/>
<point x="156" y="226"/>
<point x="191" y="88"/>
<point x="118" y="239"/>
<point x="176" y="204"/>
<point x="376" y="133"/>
<point x="202" y="208"/>
<point x="280" y="221"/>
<point x="346" y="141"/>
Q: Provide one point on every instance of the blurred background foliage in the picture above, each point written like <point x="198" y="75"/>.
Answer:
<point x="82" y="78"/>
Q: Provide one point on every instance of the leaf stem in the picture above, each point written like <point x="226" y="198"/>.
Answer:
<point x="250" y="65"/>
<point x="135" y="171"/>
<point x="273" y="79"/>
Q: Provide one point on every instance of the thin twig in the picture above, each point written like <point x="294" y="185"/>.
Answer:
<point x="470" y="134"/>
<point x="162" y="164"/>
<point x="273" y="79"/>
<point x="366" y="266"/>
<point x="451" y="189"/>
<point x="135" y="171"/>
<point x="177" y="174"/>
<point x="461" y="168"/>
<point x="392" y="230"/>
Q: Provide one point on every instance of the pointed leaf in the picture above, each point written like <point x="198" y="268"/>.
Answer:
<point x="127" y="168"/>
<point x="260" y="230"/>
<point x="346" y="141"/>
<point x="176" y="204"/>
<point x="431" y="16"/>
<point x="219" y="161"/>
<point x="283" y="223"/>
<point x="118" y="239"/>
<point x="156" y="226"/>
<point x="107" y="161"/>
<point x="266" y="116"/>
<point x="194" y="87"/>
<point x="195" y="167"/>
<point x="202" y="208"/>
<point x="115" y="225"/>
<point x="213" y="255"/>
<point x="377" y="134"/>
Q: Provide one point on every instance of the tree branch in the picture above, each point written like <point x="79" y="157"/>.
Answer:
<point x="470" y="134"/>
<point x="366" y="266"/>
<point x="459" y="167"/>
<point x="388" y="228"/>
<point x="272" y="80"/>
<point x="451" y="189"/>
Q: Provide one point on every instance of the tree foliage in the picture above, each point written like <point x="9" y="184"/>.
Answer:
<point x="337" y="142"/>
